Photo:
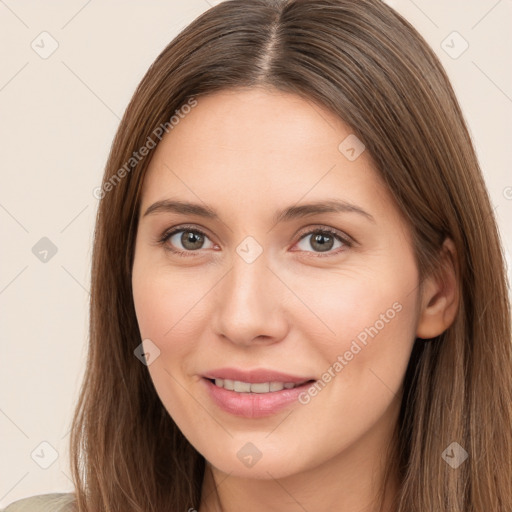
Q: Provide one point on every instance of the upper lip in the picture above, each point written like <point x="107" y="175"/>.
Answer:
<point x="255" y="376"/>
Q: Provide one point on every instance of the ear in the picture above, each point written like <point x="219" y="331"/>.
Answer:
<point x="440" y="295"/>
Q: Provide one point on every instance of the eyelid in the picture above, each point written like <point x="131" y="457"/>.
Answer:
<point x="344" y="237"/>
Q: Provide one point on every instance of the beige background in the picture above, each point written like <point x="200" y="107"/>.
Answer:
<point x="58" y="116"/>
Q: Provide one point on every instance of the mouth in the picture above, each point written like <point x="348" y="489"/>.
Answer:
<point x="256" y="387"/>
<point x="254" y="394"/>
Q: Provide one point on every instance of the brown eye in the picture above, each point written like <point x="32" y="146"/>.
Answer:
<point x="322" y="241"/>
<point x="185" y="240"/>
<point x="191" y="240"/>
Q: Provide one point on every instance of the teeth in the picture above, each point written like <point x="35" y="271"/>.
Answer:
<point x="242" y="387"/>
<point x="261" y="387"/>
<point x="276" y="386"/>
<point x="247" y="387"/>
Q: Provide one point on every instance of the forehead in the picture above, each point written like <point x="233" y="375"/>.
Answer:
<point x="239" y="117"/>
<point x="255" y="146"/>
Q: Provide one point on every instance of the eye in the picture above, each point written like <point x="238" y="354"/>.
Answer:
<point x="323" y="240"/>
<point x="184" y="240"/>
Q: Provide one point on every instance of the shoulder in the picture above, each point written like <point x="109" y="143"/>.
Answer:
<point x="55" y="502"/>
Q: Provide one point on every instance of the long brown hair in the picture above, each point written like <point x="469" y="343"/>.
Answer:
<point x="368" y="65"/>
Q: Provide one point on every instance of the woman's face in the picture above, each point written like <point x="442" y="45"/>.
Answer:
<point x="275" y="285"/>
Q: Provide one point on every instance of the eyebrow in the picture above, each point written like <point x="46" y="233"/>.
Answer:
<point x="287" y="214"/>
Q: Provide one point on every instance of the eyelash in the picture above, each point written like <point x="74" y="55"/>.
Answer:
<point x="319" y="230"/>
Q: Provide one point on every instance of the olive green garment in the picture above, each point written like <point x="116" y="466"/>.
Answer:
<point x="55" y="502"/>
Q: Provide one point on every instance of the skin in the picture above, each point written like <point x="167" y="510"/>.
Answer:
<point x="248" y="153"/>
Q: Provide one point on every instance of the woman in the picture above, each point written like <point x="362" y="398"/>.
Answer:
<point x="298" y="292"/>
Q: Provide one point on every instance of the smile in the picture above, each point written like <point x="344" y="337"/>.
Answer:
<point x="254" y="387"/>
<point x="254" y="399"/>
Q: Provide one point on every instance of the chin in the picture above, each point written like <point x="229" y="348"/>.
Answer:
<point x="260" y="459"/>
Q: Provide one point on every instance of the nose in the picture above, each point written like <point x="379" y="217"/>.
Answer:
<point x="250" y="304"/>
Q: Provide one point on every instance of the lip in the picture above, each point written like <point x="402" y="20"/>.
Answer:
<point x="254" y="405"/>
<point x="255" y="376"/>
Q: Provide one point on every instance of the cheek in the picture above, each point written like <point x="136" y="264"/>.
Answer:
<point x="171" y="312"/>
<point x="166" y="315"/>
<point x="167" y="304"/>
<point x="357" y="305"/>
<point x="365" y="361"/>
<point x="367" y="319"/>
<point x="374" y="355"/>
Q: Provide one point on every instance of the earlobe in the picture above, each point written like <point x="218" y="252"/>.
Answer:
<point x="440" y="296"/>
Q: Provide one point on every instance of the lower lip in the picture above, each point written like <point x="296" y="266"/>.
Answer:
<point x="254" y="405"/>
